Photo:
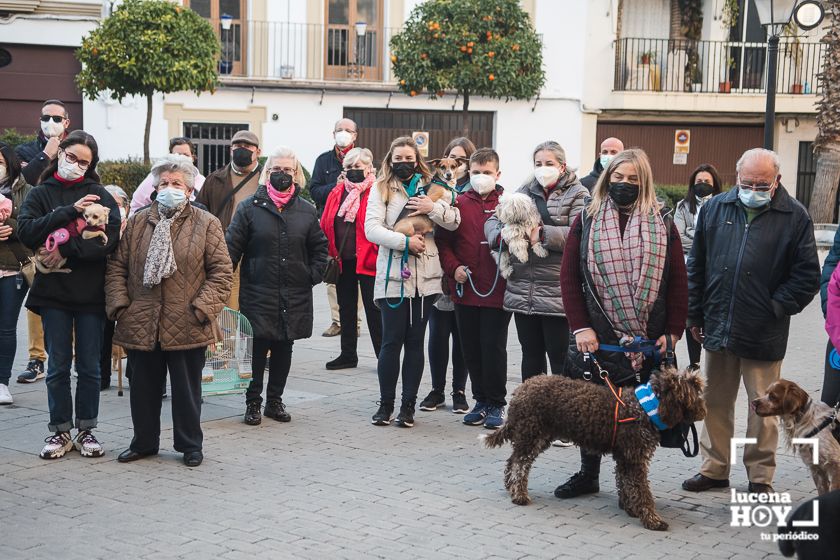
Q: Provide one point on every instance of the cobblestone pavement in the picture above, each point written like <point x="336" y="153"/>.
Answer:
<point x="329" y="484"/>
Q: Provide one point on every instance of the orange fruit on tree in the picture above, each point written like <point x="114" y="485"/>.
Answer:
<point x="470" y="44"/>
<point x="515" y="47"/>
<point x="402" y="82"/>
<point x="491" y="54"/>
<point x="413" y="93"/>
<point x="469" y="51"/>
<point x="463" y="49"/>
<point x="491" y="77"/>
<point x="439" y="93"/>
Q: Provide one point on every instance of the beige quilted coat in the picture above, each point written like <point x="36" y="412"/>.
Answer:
<point x="180" y="312"/>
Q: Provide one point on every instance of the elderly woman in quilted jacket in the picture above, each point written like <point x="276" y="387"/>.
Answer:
<point x="533" y="290"/>
<point x="165" y="287"/>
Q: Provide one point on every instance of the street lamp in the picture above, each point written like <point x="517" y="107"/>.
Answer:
<point x="361" y="30"/>
<point x="775" y="15"/>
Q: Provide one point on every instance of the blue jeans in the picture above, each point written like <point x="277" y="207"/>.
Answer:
<point x="59" y="326"/>
<point x="11" y="298"/>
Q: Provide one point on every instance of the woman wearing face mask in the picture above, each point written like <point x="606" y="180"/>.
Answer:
<point x="284" y="253"/>
<point x="142" y="196"/>
<point x="442" y="326"/>
<point x="623" y="276"/>
<point x="105" y="361"/>
<point x="703" y="184"/>
<point x="13" y="189"/>
<point x="166" y="285"/>
<point x="408" y="271"/>
<point x="70" y="303"/>
<point x="533" y="293"/>
<point x="343" y="222"/>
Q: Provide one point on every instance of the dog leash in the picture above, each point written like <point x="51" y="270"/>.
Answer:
<point x="825" y="423"/>
<point x="459" y="287"/>
<point x="405" y="272"/>
<point x="605" y="377"/>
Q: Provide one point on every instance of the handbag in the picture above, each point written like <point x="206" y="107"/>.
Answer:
<point x="27" y="266"/>
<point x="333" y="270"/>
<point x="677" y="437"/>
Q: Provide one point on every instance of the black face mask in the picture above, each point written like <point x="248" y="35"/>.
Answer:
<point x="280" y="181"/>
<point x="404" y="169"/>
<point x="355" y="175"/>
<point x="623" y="194"/>
<point x="242" y="157"/>
<point x="703" y="189"/>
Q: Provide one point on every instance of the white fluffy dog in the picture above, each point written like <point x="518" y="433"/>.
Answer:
<point x="519" y="215"/>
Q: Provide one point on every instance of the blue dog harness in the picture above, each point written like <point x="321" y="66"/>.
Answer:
<point x="650" y="403"/>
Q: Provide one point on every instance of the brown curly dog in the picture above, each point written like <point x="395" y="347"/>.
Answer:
<point x="546" y="408"/>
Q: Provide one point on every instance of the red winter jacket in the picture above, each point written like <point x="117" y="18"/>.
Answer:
<point x="468" y="246"/>
<point x="366" y="251"/>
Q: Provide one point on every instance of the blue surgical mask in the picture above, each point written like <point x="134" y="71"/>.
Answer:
<point x="171" y="197"/>
<point x="605" y="160"/>
<point x="754" y="199"/>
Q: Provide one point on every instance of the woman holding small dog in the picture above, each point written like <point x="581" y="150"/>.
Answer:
<point x="283" y="251"/>
<point x="630" y="260"/>
<point x="166" y="284"/>
<point x="343" y="222"/>
<point x="533" y="292"/>
<point x="72" y="301"/>
<point x="408" y="270"/>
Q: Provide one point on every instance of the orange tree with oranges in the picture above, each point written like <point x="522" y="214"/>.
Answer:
<point x="472" y="47"/>
<point x="148" y="46"/>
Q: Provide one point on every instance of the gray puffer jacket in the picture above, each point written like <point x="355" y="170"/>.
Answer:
<point x="534" y="287"/>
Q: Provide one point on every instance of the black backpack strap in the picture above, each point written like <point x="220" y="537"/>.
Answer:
<point x="542" y="207"/>
<point x="238" y="187"/>
<point x="687" y="445"/>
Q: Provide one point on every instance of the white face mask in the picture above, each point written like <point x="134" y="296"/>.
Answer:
<point x="123" y="214"/>
<point x="546" y="176"/>
<point x="343" y="138"/>
<point x="482" y="184"/>
<point x="51" y="128"/>
<point x="3" y="174"/>
<point x="170" y="197"/>
<point x="69" y="171"/>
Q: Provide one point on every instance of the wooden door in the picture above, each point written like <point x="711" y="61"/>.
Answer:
<point x="234" y="41"/>
<point x="349" y="55"/>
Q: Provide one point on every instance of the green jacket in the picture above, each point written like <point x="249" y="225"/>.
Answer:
<point x="8" y="259"/>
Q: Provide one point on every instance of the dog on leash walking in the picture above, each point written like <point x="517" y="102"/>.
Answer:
<point x="550" y="407"/>
<point x="801" y="416"/>
<point x="519" y="215"/>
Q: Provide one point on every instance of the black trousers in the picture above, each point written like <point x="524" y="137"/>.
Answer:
<point x="347" y="293"/>
<point x="278" y="368"/>
<point x="105" y="355"/>
<point x="831" y="378"/>
<point x="148" y="373"/>
<point x="694" y="348"/>
<point x="442" y="328"/>
<point x="540" y="335"/>
<point x="484" y="333"/>
<point x="403" y="330"/>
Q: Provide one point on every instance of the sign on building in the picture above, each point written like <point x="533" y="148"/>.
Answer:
<point x="422" y="141"/>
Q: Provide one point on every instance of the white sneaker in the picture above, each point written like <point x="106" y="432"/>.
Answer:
<point x="5" y="395"/>
<point x="57" y="446"/>
<point x="561" y="443"/>
<point x="88" y="445"/>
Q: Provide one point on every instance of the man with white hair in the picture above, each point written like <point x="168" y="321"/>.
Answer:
<point x="752" y="266"/>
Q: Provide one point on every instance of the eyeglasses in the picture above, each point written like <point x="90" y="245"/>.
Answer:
<point x="755" y="187"/>
<point x="73" y="159"/>
<point x="286" y="170"/>
<point x="55" y="118"/>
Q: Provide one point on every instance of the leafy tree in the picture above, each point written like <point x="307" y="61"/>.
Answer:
<point x="474" y="47"/>
<point x="148" y="46"/>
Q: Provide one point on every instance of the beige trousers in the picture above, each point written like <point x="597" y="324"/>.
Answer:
<point x="37" y="351"/>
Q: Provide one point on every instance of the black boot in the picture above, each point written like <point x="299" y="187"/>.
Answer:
<point x="583" y="482"/>
<point x="344" y="361"/>
<point x="252" y="413"/>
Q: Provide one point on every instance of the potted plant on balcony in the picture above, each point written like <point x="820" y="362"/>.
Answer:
<point x="696" y="78"/>
<point x="725" y="86"/>
<point x="795" y="52"/>
<point x="648" y="57"/>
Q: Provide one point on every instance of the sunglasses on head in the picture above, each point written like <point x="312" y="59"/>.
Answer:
<point x="55" y="118"/>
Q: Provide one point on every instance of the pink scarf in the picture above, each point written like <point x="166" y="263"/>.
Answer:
<point x="354" y="194"/>
<point x="280" y="198"/>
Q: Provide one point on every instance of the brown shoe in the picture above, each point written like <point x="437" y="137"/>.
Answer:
<point x="701" y="483"/>
<point x="759" y="488"/>
<point x="333" y="330"/>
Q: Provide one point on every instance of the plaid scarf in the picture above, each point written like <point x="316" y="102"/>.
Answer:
<point x="627" y="271"/>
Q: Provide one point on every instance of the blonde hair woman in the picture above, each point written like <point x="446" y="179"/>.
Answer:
<point x="629" y="257"/>
<point x="408" y="272"/>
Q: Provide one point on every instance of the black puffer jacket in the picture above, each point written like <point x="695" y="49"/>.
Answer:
<point x="283" y="255"/>
<point x="746" y="280"/>
<point x="590" y="180"/>
<point x="32" y="153"/>
<point x="324" y="177"/>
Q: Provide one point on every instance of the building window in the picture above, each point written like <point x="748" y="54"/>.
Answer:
<point x="354" y="39"/>
<point x="233" y="40"/>
<point x="212" y="142"/>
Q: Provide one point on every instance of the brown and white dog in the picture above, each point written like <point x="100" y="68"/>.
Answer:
<point x="800" y="415"/>
<point x="90" y="226"/>
<point x="446" y="170"/>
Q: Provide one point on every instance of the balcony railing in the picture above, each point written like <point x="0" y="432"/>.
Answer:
<point x="714" y="66"/>
<point x="308" y="52"/>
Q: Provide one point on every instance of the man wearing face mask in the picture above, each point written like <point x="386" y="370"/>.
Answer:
<point x="325" y="173"/>
<point x="752" y="266"/>
<point x="38" y="154"/>
<point x="609" y="148"/>
<point x="225" y="188"/>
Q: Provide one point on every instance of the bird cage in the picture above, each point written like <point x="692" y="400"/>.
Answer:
<point x="227" y="369"/>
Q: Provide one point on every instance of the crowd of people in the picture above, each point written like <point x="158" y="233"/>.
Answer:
<point x="613" y="271"/>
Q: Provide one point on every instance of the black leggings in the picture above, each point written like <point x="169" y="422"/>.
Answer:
<point x="540" y="335"/>
<point x="347" y="293"/>
<point x="831" y="379"/>
<point x="442" y="327"/>
<point x="278" y="369"/>
<point x="403" y="330"/>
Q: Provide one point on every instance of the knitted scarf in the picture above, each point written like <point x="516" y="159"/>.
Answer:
<point x="280" y="198"/>
<point x="650" y="404"/>
<point x="627" y="271"/>
<point x="341" y="152"/>
<point x="160" y="258"/>
<point x="350" y="206"/>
